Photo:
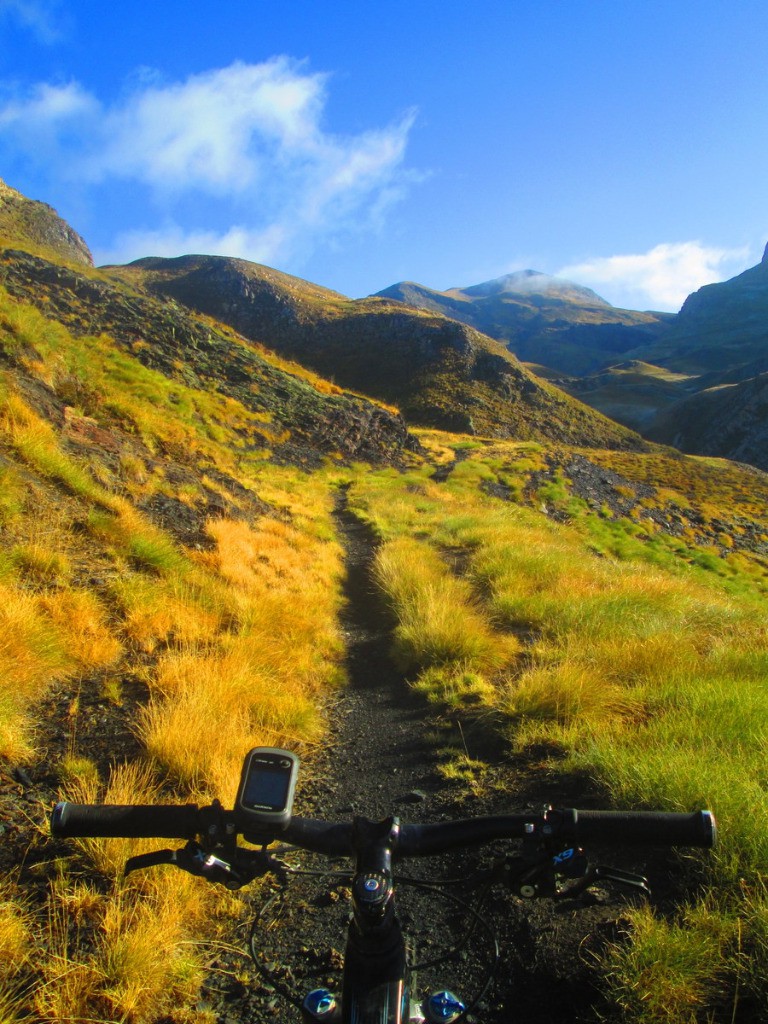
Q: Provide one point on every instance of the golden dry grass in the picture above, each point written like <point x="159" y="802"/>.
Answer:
<point x="146" y="959"/>
<point x="44" y="638"/>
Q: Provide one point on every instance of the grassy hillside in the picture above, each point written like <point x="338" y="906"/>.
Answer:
<point x="634" y="393"/>
<point x="728" y="420"/>
<point x="169" y="598"/>
<point x="615" y="642"/>
<point x="301" y="414"/>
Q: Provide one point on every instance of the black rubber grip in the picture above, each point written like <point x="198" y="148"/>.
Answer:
<point x="663" y="828"/>
<point x="136" y="821"/>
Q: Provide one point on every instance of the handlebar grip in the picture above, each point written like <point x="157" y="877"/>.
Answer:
<point x="648" y="827"/>
<point x="134" y="821"/>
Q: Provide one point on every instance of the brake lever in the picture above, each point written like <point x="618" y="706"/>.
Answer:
<point x="602" y="872"/>
<point x="238" y="869"/>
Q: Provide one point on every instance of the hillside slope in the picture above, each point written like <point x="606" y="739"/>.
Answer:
<point x="37" y="228"/>
<point x="46" y="263"/>
<point x="542" y="319"/>
<point x="632" y="392"/>
<point x="439" y="372"/>
<point x="730" y="421"/>
<point x="305" y="416"/>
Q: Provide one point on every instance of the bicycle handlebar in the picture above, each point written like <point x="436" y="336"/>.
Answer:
<point x="173" y="821"/>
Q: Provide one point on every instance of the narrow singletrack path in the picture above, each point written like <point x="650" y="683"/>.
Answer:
<point x="381" y="759"/>
<point x="379" y="755"/>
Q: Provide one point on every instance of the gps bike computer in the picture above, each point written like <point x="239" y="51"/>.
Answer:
<point x="267" y="785"/>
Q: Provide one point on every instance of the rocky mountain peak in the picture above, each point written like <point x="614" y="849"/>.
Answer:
<point x="765" y="254"/>
<point x="34" y="226"/>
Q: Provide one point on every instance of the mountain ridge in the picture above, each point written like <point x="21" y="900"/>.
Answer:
<point x="541" y="319"/>
<point x="438" y="371"/>
<point x="418" y="349"/>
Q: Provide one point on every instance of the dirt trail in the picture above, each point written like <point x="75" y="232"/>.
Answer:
<point x="379" y="756"/>
<point x="380" y="759"/>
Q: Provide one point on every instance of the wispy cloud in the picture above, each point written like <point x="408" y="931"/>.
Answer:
<point x="249" y="137"/>
<point x="46" y="109"/>
<point x="661" y="278"/>
<point x="40" y="16"/>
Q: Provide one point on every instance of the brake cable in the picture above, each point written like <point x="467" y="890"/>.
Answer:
<point x="477" y="919"/>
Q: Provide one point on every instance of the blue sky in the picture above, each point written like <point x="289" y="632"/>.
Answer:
<point x="620" y="143"/>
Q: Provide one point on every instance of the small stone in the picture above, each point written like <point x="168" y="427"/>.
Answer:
<point x="21" y="776"/>
<point x="416" y="796"/>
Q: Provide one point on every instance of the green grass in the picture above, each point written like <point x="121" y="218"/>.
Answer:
<point x="643" y="661"/>
<point x="638" y="657"/>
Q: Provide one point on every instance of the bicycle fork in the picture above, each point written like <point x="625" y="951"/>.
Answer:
<point x="375" y="988"/>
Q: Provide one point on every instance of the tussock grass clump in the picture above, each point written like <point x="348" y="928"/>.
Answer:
<point x="15" y="930"/>
<point x="210" y="710"/>
<point x="565" y="694"/>
<point x="438" y="620"/>
<point x="458" y="685"/>
<point x="683" y="965"/>
<point x="44" y="638"/>
<point x="252" y="658"/>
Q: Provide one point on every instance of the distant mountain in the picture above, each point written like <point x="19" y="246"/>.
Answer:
<point x="721" y="330"/>
<point x="438" y="371"/>
<point x="542" y="319"/>
<point x="707" y="393"/>
<point x="37" y="228"/>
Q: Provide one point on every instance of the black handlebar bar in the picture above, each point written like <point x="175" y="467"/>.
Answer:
<point x="172" y="821"/>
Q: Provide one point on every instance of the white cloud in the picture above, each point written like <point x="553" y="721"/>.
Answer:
<point x="265" y="246"/>
<point x="661" y="278"/>
<point x="215" y="130"/>
<point x="48" y="107"/>
<point x="249" y="136"/>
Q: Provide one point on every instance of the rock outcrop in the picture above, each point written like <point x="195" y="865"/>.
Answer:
<point x="37" y="228"/>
